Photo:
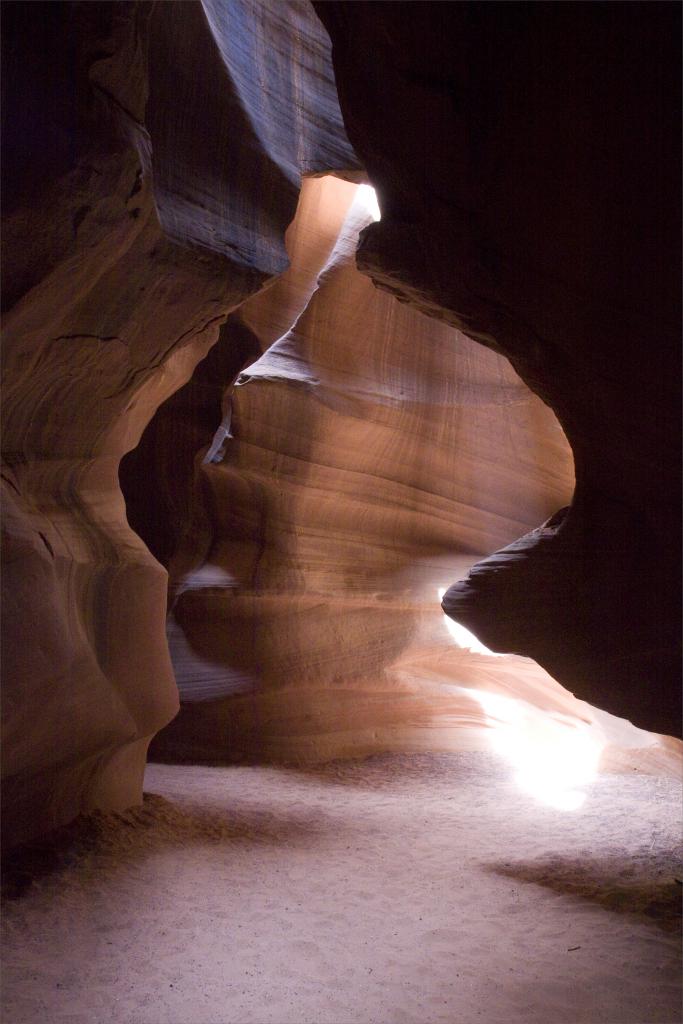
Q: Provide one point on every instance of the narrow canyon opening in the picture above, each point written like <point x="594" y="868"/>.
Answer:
<point x="333" y="464"/>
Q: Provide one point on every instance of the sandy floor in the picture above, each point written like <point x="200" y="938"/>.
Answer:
<point x="395" y="890"/>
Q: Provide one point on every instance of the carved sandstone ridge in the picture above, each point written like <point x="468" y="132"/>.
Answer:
<point x="135" y="217"/>
<point x="367" y="455"/>
<point x="528" y="179"/>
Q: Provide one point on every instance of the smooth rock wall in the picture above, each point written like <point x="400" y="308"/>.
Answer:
<point x="117" y="130"/>
<point x="371" y="453"/>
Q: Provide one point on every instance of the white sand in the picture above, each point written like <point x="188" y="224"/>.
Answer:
<point x="400" y="889"/>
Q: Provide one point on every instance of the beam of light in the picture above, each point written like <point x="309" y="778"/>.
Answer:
<point x="368" y="197"/>
<point x="551" y="756"/>
<point x="463" y="638"/>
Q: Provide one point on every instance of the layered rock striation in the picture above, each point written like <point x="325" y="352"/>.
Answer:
<point x="144" y="197"/>
<point x="368" y="454"/>
<point x="156" y="244"/>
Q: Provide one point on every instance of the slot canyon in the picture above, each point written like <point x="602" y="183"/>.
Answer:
<point x="341" y="505"/>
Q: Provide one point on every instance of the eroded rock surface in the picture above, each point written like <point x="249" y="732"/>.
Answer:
<point x="528" y="163"/>
<point x="310" y="515"/>
<point x="370" y="453"/>
<point x="114" y="291"/>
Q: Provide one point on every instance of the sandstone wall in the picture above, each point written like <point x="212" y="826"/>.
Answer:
<point x="138" y="210"/>
<point x="366" y="456"/>
<point x="527" y="159"/>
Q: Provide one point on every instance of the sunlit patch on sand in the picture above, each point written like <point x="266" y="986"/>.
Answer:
<point x="552" y="757"/>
